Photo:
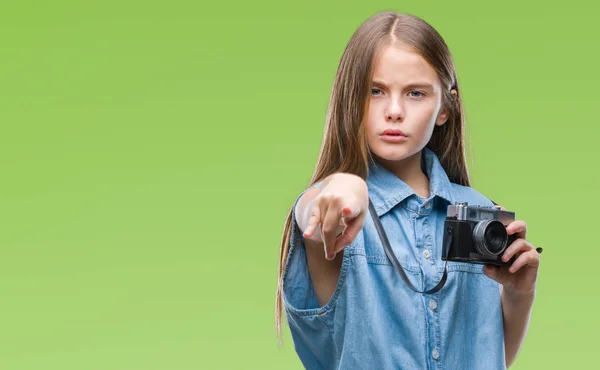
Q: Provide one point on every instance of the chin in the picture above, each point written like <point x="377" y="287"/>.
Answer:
<point x="393" y="154"/>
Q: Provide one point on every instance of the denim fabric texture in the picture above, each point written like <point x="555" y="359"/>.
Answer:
<point x="373" y="320"/>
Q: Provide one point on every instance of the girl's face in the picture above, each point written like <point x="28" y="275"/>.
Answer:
<point x="405" y="98"/>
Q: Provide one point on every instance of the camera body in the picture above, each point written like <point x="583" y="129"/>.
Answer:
<point x="477" y="234"/>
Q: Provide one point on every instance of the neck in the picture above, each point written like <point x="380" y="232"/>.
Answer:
<point x="409" y="170"/>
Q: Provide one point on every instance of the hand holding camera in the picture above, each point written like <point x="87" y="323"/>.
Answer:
<point x="492" y="236"/>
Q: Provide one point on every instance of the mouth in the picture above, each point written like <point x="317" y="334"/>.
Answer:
<point x="393" y="136"/>
<point x="390" y="132"/>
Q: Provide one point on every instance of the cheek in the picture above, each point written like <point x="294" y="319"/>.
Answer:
<point x="375" y="115"/>
<point x="371" y="121"/>
<point x="426" y="116"/>
<point x="427" y="113"/>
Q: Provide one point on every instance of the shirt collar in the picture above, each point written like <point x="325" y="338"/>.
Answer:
<point x="386" y="190"/>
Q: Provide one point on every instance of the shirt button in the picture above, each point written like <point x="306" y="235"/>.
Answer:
<point x="426" y="254"/>
<point x="432" y="305"/>
<point x="427" y="205"/>
<point x="435" y="354"/>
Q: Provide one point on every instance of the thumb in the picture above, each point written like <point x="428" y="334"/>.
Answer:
<point x="350" y="211"/>
<point x="496" y="273"/>
<point x="491" y="271"/>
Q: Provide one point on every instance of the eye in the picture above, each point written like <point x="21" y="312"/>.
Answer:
<point x="374" y="91"/>
<point x="418" y="92"/>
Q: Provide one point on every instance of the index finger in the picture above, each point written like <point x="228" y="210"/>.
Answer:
<point x="331" y="221"/>
<point x="517" y="227"/>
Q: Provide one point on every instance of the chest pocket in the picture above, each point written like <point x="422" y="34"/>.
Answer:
<point x="400" y="231"/>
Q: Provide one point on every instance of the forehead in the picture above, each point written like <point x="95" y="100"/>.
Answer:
<point x="399" y="65"/>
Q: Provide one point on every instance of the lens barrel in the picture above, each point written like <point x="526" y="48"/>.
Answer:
<point x="490" y="237"/>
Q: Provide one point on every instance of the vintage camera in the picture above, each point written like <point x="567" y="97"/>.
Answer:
<point x="477" y="234"/>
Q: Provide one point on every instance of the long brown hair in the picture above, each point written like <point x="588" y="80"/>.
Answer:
<point x="344" y="147"/>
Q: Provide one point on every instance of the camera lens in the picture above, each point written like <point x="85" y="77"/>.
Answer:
<point x="490" y="237"/>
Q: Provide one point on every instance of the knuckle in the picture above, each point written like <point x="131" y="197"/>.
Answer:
<point x="337" y="199"/>
<point x="323" y="196"/>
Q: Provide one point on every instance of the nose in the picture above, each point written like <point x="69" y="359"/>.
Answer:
<point x="394" y="112"/>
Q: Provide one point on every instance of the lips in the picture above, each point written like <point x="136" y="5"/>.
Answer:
<point x="392" y="132"/>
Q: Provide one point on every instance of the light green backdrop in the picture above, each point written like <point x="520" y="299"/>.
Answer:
<point x="150" y="152"/>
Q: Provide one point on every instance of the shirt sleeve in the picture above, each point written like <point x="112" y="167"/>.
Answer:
<point x="298" y="291"/>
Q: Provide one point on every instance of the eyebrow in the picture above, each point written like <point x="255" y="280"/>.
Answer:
<point x="421" y="85"/>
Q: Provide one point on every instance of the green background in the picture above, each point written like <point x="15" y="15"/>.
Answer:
<point x="150" y="152"/>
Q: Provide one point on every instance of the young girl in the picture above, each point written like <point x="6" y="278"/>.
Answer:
<point x="395" y="137"/>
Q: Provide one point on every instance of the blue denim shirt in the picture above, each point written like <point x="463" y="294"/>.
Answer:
<point x="373" y="320"/>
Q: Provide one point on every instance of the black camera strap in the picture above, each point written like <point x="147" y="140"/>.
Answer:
<point x="392" y="257"/>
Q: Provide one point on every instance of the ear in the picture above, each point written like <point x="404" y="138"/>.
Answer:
<point x="443" y="116"/>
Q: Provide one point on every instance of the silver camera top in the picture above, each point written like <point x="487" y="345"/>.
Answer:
<point x="462" y="211"/>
